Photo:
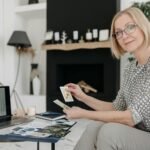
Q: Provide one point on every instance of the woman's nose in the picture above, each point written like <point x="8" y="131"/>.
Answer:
<point x="125" y="35"/>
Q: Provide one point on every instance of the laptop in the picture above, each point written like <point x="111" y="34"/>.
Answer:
<point x="6" y="118"/>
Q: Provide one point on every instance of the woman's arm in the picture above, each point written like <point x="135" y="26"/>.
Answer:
<point x="97" y="104"/>
<point x="123" y="117"/>
<point x="88" y="100"/>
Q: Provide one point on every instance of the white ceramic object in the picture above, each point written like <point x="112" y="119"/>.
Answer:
<point x="88" y="36"/>
<point x="31" y="111"/>
<point x="75" y="35"/>
<point x="36" y="85"/>
<point x="103" y="35"/>
<point x="95" y="33"/>
<point x="56" y="36"/>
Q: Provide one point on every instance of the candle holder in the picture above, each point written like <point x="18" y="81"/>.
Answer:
<point x="75" y="36"/>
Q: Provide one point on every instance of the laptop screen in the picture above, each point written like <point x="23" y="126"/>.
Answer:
<point x="5" y="106"/>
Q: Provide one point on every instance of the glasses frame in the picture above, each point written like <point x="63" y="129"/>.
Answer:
<point x="125" y="30"/>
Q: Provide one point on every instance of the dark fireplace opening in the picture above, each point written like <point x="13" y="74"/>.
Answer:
<point x="92" y="74"/>
<point x="95" y="67"/>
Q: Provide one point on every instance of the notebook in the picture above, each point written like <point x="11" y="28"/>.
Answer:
<point x="6" y="118"/>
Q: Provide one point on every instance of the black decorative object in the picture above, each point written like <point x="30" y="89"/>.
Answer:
<point x="33" y="1"/>
<point x="20" y="40"/>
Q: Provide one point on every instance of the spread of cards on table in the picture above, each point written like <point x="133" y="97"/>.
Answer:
<point x="66" y="94"/>
<point x="43" y="128"/>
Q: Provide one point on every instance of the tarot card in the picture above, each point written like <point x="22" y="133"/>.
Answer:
<point x="56" y="130"/>
<point x="61" y="104"/>
<point x="66" y="94"/>
<point x="40" y="134"/>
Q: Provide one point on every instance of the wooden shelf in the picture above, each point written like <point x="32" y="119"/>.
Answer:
<point x="31" y="8"/>
<point x="75" y="46"/>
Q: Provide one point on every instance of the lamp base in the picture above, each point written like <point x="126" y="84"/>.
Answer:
<point x="20" y="110"/>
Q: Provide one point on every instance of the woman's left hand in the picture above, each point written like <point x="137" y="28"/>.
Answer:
<point x="74" y="113"/>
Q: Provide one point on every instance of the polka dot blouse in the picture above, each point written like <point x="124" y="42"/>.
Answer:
<point x="134" y="94"/>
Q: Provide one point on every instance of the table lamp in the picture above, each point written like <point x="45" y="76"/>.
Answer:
<point x="20" y="40"/>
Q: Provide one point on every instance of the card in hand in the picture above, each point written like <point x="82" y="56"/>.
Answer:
<point x="61" y="104"/>
<point x="66" y="94"/>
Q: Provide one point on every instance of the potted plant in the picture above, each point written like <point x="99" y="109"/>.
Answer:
<point x="144" y="6"/>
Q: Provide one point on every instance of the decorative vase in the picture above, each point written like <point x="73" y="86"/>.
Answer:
<point x="35" y="83"/>
<point x="33" y="1"/>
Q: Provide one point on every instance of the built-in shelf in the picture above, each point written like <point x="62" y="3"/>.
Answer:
<point x="75" y="46"/>
<point x="31" y="8"/>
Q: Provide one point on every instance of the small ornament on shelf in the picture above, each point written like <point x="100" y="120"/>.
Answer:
<point x="57" y="37"/>
<point x="49" y="37"/>
<point x="88" y="35"/>
<point x="95" y="34"/>
<point x="33" y="1"/>
<point x="69" y="41"/>
<point x="75" y="36"/>
<point x="64" y="37"/>
<point x="103" y="35"/>
<point x="81" y="39"/>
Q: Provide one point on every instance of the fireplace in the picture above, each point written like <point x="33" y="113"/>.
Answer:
<point x="96" y="67"/>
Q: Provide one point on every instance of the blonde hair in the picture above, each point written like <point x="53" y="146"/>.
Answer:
<point x="140" y="19"/>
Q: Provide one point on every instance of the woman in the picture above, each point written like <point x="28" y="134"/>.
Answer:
<point x="123" y="124"/>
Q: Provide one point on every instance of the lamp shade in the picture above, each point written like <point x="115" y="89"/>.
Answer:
<point x="19" y="39"/>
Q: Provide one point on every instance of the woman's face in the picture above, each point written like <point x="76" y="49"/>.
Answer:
<point x="129" y="36"/>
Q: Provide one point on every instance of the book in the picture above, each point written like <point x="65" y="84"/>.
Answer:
<point x="50" y="116"/>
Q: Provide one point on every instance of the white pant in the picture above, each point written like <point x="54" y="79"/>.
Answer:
<point x="113" y="136"/>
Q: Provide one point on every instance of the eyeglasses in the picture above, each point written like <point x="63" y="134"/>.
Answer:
<point x="129" y="29"/>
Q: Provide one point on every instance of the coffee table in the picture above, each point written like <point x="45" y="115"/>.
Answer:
<point x="66" y="143"/>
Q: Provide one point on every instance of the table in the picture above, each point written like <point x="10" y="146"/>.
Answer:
<point x="66" y="143"/>
<point x="20" y="133"/>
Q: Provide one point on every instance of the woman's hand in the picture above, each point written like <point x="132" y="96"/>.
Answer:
<point x="74" y="113"/>
<point x="76" y="91"/>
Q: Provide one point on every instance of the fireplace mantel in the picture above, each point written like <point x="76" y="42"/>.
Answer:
<point x="75" y="46"/>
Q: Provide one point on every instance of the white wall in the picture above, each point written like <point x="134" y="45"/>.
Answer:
<point x="34" y="25"/>
<point x="1" y="40"/>
<point x="9" y="58"/>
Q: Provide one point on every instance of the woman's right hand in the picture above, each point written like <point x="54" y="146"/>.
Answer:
<point x="76" y="91"/>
